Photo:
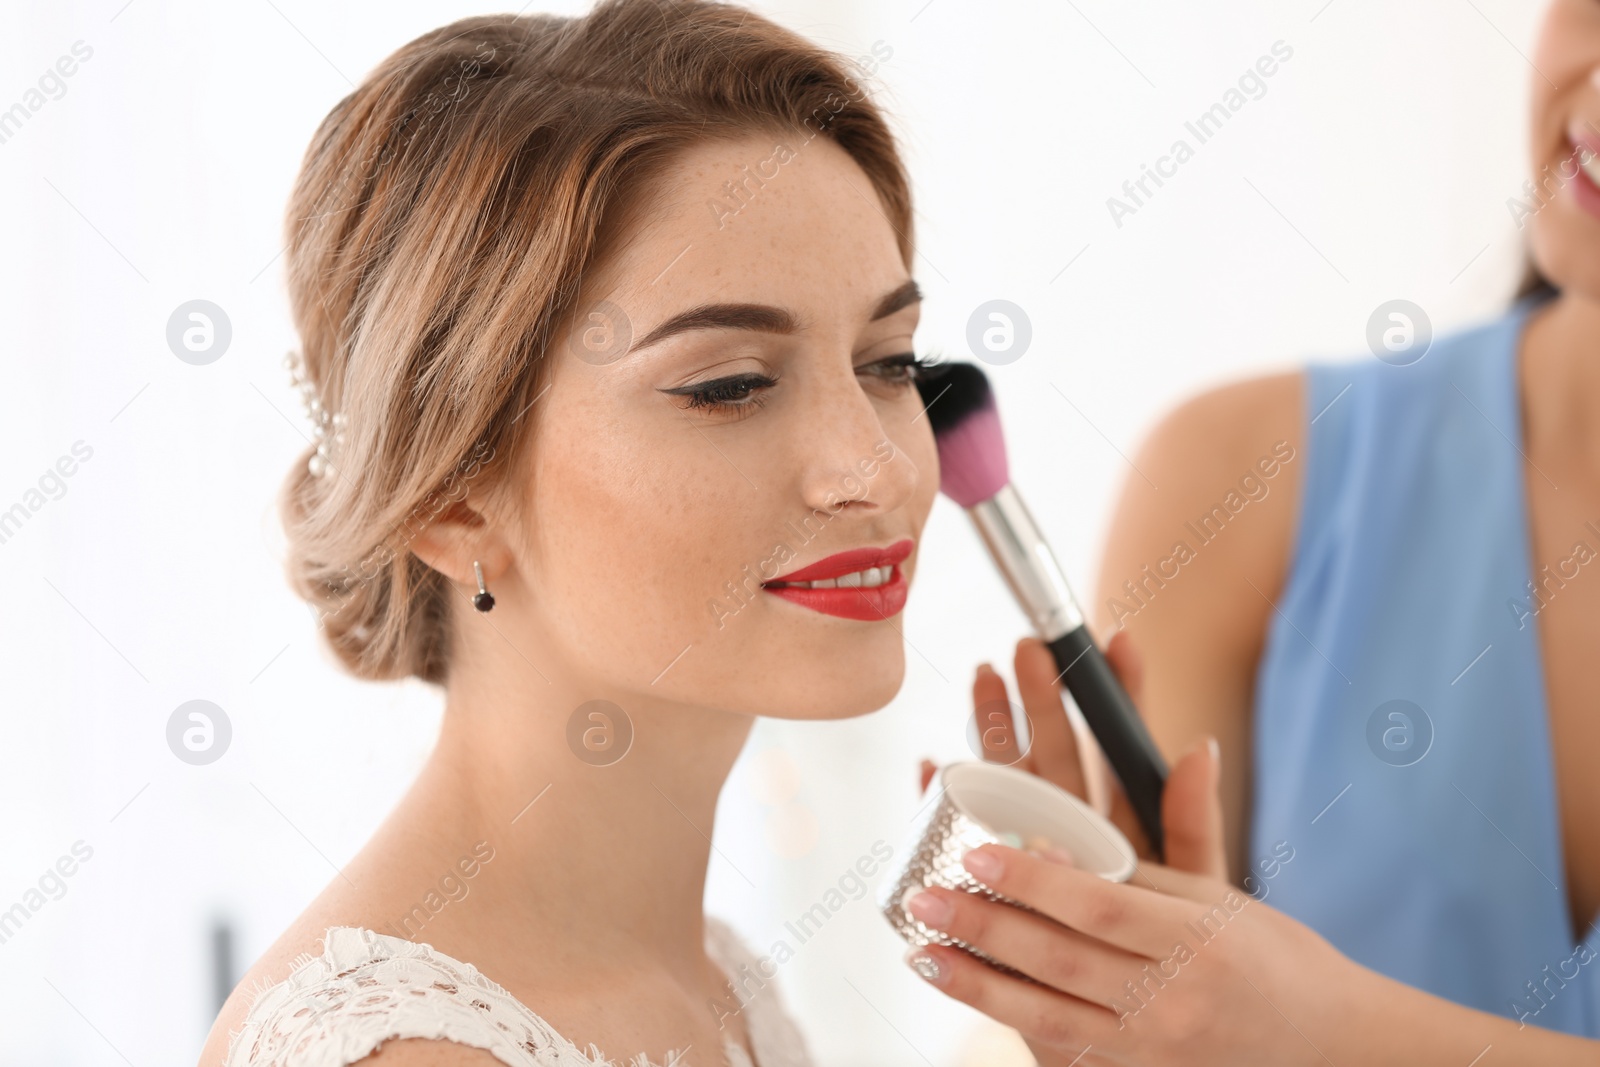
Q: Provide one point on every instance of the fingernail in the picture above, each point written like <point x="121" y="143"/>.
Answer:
<point x="923" y="905"/>
<point x="985" y="865"/>
<point x="984" y="668"/>
<point x="925" y="965"/>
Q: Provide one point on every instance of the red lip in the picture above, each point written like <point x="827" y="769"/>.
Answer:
<point x="856" y="559"/>
<point x="851" y="602"/>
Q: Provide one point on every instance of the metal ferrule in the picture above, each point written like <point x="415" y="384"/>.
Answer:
<point x="1023" y="556"/>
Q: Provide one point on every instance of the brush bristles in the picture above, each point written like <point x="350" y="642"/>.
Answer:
<point x="966" y="425"/>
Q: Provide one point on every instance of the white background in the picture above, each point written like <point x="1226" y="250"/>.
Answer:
<point x="1377" y="165"/>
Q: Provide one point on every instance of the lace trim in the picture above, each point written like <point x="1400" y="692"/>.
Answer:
<point x="774" y="1037"/>
<point x="367" y="988"/>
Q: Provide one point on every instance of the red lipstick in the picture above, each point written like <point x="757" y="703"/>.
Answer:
<point x="866" y="603"/>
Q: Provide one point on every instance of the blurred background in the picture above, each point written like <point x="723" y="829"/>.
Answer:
<point x="1376" y="163"/>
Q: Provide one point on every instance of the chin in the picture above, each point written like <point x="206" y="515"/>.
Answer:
<point x="1567" y="269"/>
<point x="858" y="683"/>
<point x="1565" y="242"/>
<point x="1571" y="264"/>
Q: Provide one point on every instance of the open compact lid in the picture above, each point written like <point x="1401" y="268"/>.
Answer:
<point x="1004" y="800"/>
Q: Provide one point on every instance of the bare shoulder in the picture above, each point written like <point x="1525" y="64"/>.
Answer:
<point x="390" y="887"/>
<point x="424" y="1052"/>
<point x="1195" y="555"/>
<point x="304" y="938"/>
<point x="1236" y="414"/>
<point x="1205" y="522"/>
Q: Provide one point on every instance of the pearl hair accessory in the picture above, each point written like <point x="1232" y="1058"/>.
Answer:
<point x="327" y="427"/>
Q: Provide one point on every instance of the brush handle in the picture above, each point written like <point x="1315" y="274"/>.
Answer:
<point x="1116" y="724"/>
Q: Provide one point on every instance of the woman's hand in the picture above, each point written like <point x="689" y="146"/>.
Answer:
<point x="1175" y="967"/>
<point x="1171" y="968"/>
<point x="1189" y="815"/>
<point x="1191" y="810"/>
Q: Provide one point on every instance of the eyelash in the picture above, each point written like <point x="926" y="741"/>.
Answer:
<point x="728" y="395"/>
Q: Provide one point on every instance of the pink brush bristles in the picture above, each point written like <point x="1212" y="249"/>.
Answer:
<point x="966" y="425"/>
<point x="972" y="458"/>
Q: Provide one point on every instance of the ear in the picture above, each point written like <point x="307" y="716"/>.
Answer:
<point x="459" y="534"/>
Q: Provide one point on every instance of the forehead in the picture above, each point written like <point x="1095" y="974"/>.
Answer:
<point x="772" y="218"/>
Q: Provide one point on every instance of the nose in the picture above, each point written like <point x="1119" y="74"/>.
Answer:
<point x="849" y="460"/>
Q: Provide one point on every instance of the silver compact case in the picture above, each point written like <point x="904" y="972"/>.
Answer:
<point x="975" y="802"/>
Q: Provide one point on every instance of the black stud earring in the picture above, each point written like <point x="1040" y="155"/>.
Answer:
<point x="483" y="601"/>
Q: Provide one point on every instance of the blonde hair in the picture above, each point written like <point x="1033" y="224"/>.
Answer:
<point x="443" y="217"/>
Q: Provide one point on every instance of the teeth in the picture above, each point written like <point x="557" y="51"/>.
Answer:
<point x="1590" y="162"/>
<point x="866" y="579"/>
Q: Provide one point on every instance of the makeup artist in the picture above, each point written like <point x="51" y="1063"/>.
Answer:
<point x="1394" y="647"/>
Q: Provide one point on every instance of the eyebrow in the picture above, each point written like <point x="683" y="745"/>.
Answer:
<point x="764" y="318"/>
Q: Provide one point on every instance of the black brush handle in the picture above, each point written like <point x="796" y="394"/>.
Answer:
<point x="1116" y="724"/>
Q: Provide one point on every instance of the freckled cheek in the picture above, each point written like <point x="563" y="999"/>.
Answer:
<point x="641" y="532"/>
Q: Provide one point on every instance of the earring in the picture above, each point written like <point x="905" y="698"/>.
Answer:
<point x="483" y="601"/>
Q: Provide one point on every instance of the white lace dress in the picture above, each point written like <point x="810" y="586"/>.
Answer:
<point x="367" y="988"/>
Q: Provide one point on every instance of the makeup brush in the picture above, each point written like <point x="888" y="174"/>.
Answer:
<point x="973" y="473"/>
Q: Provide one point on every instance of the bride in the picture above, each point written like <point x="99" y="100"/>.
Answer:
<point x="544" y="347"/>
<point x="607" y="336"/>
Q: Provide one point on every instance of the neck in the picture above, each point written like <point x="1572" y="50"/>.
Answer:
<point x="611" y="856"/>
<point x="1560" y="381"/>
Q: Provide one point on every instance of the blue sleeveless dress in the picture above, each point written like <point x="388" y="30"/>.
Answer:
<point x="1402" y="755"/>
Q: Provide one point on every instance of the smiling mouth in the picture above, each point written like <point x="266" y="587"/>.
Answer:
<point x="872" y="592"/>
<point x="870" y="578"/>
<point x="1589" y="162"/>
<point x="1583" y="144"/>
